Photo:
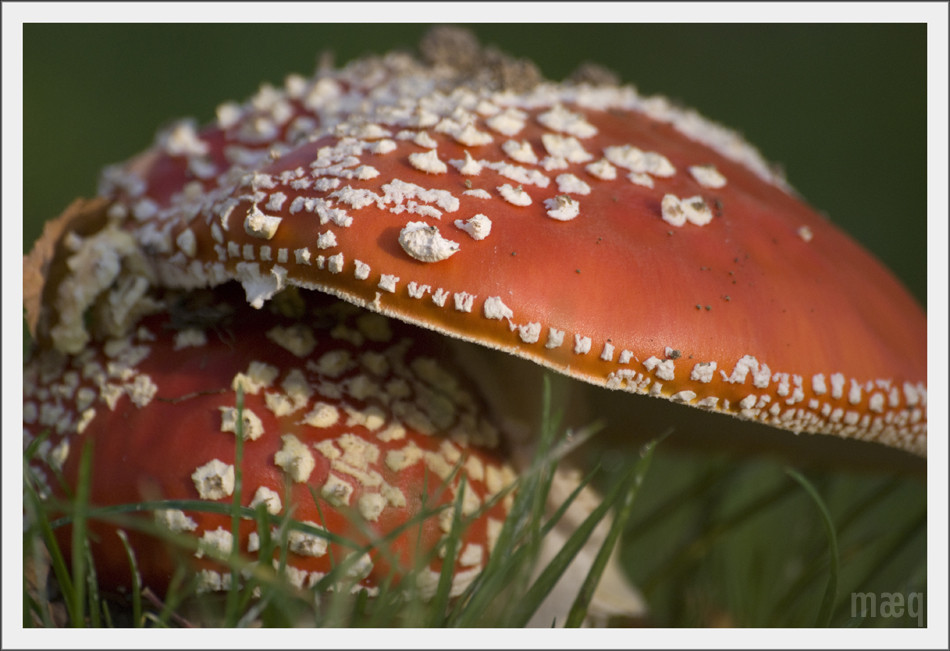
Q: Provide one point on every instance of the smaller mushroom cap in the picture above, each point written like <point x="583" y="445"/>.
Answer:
<point x="351" y="422"/>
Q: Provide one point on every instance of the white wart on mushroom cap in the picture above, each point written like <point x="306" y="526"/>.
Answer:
<point x="350" y="421"/>
<point x="621" y="240"/>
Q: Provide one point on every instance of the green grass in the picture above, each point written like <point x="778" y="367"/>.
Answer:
<point x="258" y="595"/>
<point x="709" y="541"/>
<point x="756" y="544"/>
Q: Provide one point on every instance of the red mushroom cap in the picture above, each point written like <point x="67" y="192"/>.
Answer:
<point x="612" y="237"/>
<point x="351" y="421"/>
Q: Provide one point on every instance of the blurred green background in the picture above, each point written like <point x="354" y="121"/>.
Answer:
<point x="841" y="107"/>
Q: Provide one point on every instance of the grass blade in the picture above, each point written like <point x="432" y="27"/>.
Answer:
<point x="797" y="591"/>
<point x="914" y="526"/>
<point x="79" y="549"/>
<point x="441" y="600"/>
<point x="518" y="542"/>
<point x="628" y="489"/>
<point x="693" y="550"/>
<point x="826" y="609"/>
<point x="545" y="582"/>
<point x="136" y="580"/>
<point x="232" y="614"/>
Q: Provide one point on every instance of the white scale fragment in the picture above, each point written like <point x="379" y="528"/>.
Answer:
<point x="424" y="242"/>
<point x="677" y="212"/>
<point x="469" y="166"/>
<point x="58" y="455"/>
<point x="258" y="224"/>
<point x="302" y="256"/>
<point x="402" y="458"/>
<point x="519" y="174"/>
<point x="365" y="172"/>
<point x="144" y="210"/>
<point x="555" y="338"/>
<point x="428" y="162"/>
<point x="371" y="506"/>
<point x="570" y="184"/>
<point x="276" y="201"/>
<point x="683" y="396"/>
<point x="216" y="544"/>
<point x="269" y="498"/>
<point x="703" y="372"/>
<point x="398" y="191"/>
<point x="187" y="243"/>
<point x="388" y="283"/>
<point x="640" y="178"/>
<point x="305" y="543"/>
<point x="322" y="415"/>
<point x="663" y="368"/>
<point x="84" y="419"/>
<point x="560" y="119"/>
<point x="181" y="139"/>
<point x="530" y="333"/>
<point x="515" y="196"/>
<point x="418" y="291"/>
<point x="761" y="374"/>
<point x="260" y="288"/>
<point x="602" y="170"/>
<point x="478" y="227"/>
<point x="421" y="138"/>
<point x="141" y="390"/>
<point x="361" y="272"/>
<point x="333" y="363"/>
<point x="520" y="151"/>
<point x="259" y="376"/>
<point x="496" y="309"/>
<point x="326" y="240"/>
<point x="212" y="581"/>
<point x="637" y="160"/>
<point x="422" y="210"/>
<point x="295" y="458"/>
<point x="566" y="147"/>
<point x="228" y="114"/>
<point x="384" y="146"/>
<point x="251" y="426"/>
<point x="507" y="123"/>
<point x="469" y="136"/>
<point x="708" y="176"/>
<point x="297" y="338"/>
<point x="464" y="301"/>
<point x="562" y="207"/>
<point x="214" y="480"/>
<point x="337" y="491"/>
<point x="175" y="520"/>
<point x="478" y="193"/>
<point x="581" y="345"/>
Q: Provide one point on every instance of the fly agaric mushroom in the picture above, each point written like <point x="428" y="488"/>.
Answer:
<point x="612" y="237"/>
<point x="351" y="423"/>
